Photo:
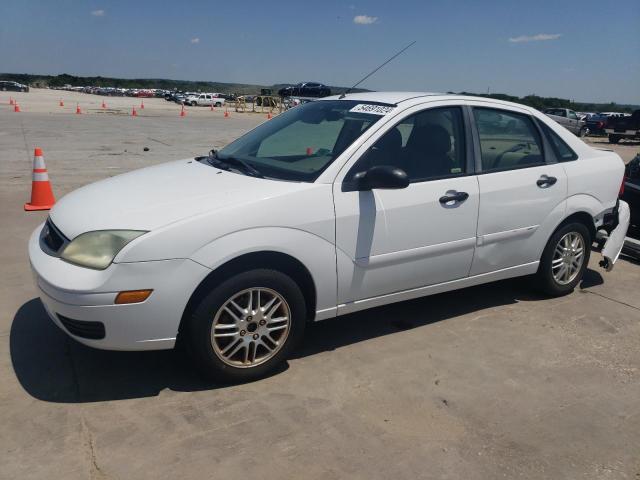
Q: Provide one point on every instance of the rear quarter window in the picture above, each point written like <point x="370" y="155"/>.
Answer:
<point x="563" y="152"/>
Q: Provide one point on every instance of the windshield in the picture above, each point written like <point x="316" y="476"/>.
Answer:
<point x="300" y="143"/>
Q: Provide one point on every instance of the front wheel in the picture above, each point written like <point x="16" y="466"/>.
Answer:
<point x="247" y="326"/>
<point x="564" y="259"/>
<point x="194" y="103"/>
<point x="614" y="139"/>
<point x="584" y="131"/>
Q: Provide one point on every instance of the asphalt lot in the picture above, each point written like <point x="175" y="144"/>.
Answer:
<point x="489" y="382"/>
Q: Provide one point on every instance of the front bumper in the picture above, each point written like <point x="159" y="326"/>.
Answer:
<point x="85" y="295"/>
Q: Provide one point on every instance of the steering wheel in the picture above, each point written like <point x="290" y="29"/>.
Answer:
<point x="515" y="148"/>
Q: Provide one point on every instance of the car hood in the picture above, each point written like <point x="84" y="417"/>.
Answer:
<point x="156" y="196"/>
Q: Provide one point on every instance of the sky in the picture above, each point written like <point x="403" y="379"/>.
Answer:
<point x="583" y="50"/>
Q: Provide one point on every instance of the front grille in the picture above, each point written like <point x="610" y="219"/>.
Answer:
<point x="52" y="239"/>
<point x="83" y="329"/>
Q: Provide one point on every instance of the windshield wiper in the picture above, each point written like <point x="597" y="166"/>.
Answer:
<point x="248" y="169"/>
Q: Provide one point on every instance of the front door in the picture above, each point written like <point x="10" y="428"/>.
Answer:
<point x="390" y="241"/>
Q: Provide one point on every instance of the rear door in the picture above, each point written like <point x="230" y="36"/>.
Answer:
<point x="522" y="189"/>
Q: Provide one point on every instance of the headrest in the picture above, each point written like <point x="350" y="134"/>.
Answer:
<point x="431" y="138"/>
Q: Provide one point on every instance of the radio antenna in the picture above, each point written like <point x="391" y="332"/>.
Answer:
<point x="378" y="68"/>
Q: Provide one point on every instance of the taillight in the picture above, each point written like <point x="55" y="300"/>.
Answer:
<point x="624" y="179"/>
<point x="600" y="124"/>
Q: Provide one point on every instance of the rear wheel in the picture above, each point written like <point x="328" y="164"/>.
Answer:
<point x="246" y="326"/>
<point x="194" y="103"/>
<point x="614" y="138"/>
<point x="564" y="259"/>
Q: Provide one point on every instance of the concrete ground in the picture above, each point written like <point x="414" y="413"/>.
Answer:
<point x="489" y="382"/>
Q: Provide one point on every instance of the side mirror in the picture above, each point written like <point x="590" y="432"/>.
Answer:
<point x="381" y="176"/>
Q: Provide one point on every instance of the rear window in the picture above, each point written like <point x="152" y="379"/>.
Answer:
<point x="508" y="140"/>
<point x="563" y="152"/>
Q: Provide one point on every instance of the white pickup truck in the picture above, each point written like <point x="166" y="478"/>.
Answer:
<point x="204" y="100"/>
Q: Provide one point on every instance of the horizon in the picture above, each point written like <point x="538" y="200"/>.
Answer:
<point x="622" y="104"/>
<point x="546" y="49"/>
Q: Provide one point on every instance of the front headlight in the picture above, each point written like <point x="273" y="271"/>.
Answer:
<point x="98" y="249"/>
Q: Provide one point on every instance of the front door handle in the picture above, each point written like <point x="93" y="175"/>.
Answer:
<point x="544" y="181"/>
<point x="453" y="196"/>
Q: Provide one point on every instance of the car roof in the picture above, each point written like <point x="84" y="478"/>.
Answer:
<point x="383" y="97"/>
<point x="395" y="98"/>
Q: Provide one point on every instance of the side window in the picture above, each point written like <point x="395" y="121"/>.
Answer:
<point x="508" y="140"/>
<point x="563" y="152"/>
<point x="572" y="115"/>
<point x="427" y="145"/>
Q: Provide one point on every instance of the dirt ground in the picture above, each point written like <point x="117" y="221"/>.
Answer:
<point x="489" y="382"/>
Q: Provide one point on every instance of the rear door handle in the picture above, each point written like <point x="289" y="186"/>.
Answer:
<point x="544" y="181"/>
<point x="454" y="196"/>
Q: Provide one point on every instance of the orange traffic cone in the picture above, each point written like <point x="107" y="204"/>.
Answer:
<point x="41" y="194"/>
<point x="78" y="111"/>
<point x="226" y="113"/>
<point x="212" y="109"/>
<point x="16" y="107"/>
<point x="183" y="112"/>
<point x="141" y="104"/>
<point x="11" y="101"/>
<point x="133" y="112"/>
<point x="61" y="103"/>
<point x="269" y="116"/>
<point x="104" y="105"/>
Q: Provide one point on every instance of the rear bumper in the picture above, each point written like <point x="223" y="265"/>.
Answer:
<point x="615" y="242"/>
<point x="624" y="133"/>
<point x="79" y="299"/>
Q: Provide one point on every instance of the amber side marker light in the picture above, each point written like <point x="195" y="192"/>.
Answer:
<point x="132" y="296"/>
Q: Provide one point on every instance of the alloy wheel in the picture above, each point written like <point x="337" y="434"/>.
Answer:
<point x="250" y="327"/>
<point x="568" y="257"/>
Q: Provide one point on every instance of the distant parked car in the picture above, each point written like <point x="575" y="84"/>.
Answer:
<point x="8" y="86"/>
<point x="145" y="93"/>
<point x="631" y="195"/>
<point x="569" y="120"/>
<point x="623" y="127"/>
<point x="305" y="89"/>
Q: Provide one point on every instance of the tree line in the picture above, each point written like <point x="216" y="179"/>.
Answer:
<point x="53" y="81"/>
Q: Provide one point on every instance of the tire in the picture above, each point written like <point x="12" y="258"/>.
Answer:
<point x="218" y="104"/>
<point x="194" y="103"/>
<point x="614" y="139"/>
<point x="552" y="262"/>
<point x="252" y="337"/>
<point x="584" y="131"/>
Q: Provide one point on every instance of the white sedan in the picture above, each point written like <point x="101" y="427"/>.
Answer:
<point x="333" y="207"/>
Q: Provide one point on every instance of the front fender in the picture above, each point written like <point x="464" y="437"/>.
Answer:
<point x="315" y="253"/>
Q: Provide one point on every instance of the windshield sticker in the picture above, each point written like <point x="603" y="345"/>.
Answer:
<point x="373" y="109"/>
